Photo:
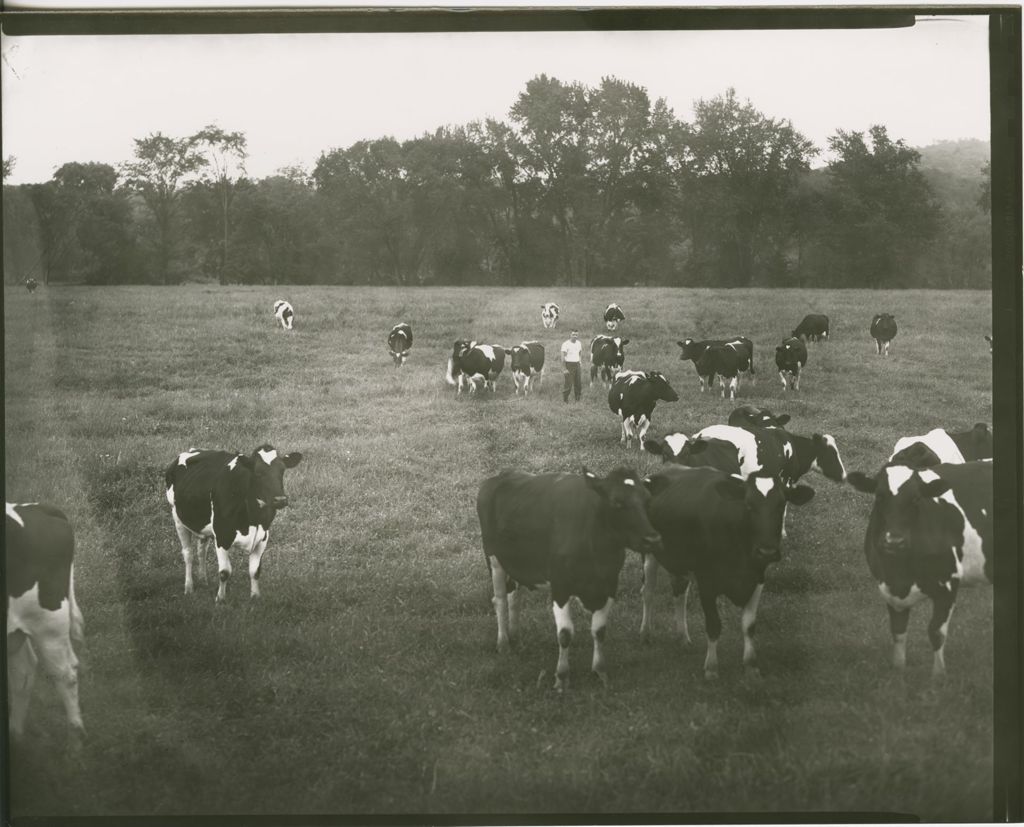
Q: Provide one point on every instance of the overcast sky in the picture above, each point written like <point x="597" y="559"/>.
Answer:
<point x="294" y="96"/>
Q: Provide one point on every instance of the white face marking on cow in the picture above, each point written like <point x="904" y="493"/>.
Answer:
<point x="185" y="456"/>
<point x="764" y="485"/>
<point x="896" y="477"/>
<point x="787" y="450"/>
<point x="14" y="515"/>
<point x="233" y="463"/>
<point x="268" y="456"/>
<point x="628" y="481"/>
<point x="675" y="442"/>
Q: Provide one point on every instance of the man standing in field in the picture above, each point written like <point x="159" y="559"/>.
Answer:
<point x="572" y="350"/>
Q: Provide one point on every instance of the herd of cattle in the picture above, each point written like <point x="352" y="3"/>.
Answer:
<point x="714" y="513"/>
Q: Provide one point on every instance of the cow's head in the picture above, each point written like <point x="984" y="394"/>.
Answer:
<point x="917" y="455"/>
<point x="689" y="349"/>
<point x="702" y="452"/>
<point x="268" y="467"/>
<point x="662" y="389"/>
<point x="905" y="512"/>
<point x="749" y="415"/>
<point x="460" y="348"/>
<point x="625" y="498"/>
<point x="666" y="447"/>
<point x="826" y="457"/>
<point x="764" y="498"/>
<point x="981" y="437"/>
<point x="620" y="353"/>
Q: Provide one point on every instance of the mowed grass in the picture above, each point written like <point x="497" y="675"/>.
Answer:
<point x="366" y="680"/>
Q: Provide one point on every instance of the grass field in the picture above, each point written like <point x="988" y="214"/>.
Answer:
<point x="366" y="680"/>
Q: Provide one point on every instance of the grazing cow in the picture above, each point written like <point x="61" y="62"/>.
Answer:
<point x="229" y="498"/>
<point x="790" y="357"/>
<point x="606" y="355"/>
<point x="569" y="530"/>
<point x="527" y="363"/>
<point x="695" y="453"/>
<point x="883" y="331"/>
<point x="989" y="340"/>
<point x="749" y="416"/>
<point x="633" y="396"/>
<point x="724" y="361"/>
<point x="399" y="343"/>
<point x="31" y="284"/>
<point x="930" y="531"/>
<point x="693" y="350"/>
<point x="667" y="447"/>
<point x="723" y="532"/>
<point x="43" y="618"/>
<point x="612" y="316"/>
<point x="284" y="313"/>
<point x="813" y="328"/>
<point x="945" y="446"/>
<point x="470" y="362"/>
<point x="549" y="315"/>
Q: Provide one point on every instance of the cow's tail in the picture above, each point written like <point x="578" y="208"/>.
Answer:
<point x="448" y="377"/>
<point x="77" y="621"/>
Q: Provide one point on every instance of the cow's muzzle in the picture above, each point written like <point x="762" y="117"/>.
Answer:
<point x="893" y="543"/>
<point x="651" y="542"/>
<point x="280" y="502"/>
<point x="766" y="554"/>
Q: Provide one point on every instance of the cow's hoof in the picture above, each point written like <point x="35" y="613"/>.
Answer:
<point x="752" y="674"/>
<point x="504" y="647"/>
<point x="603" y="677"/>
<point x="711" y="674"/>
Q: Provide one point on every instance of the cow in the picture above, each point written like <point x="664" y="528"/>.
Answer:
<point x="43" y="618"/>
<point x="790" y="358"/>
<point x="813" y="328"/>
<point x="723" y="532"/>
<point x="284" y="313"/>
<point x="989" y="340"/>
<point x="692" y="350"/>
<point x="929" y="532"/>
<point x="612" y="316"/>
<point x="723" y="361"/>
<point x="31" y="284"/>
<point x="749" y="416"/>
<point x="667" y="447"/>
<point x="229" y="498"/>
<point x="632" y="396"/>
<point x="568" y="530"/>
<point x="606" y="355"/>
<point x="470" y="362"/>
<point x="527" y="364"/>
<point x="945" y="446"/>
<point x="883" y="331"/>
<point x="399" y="343"/>
<point x="549" y="315"/>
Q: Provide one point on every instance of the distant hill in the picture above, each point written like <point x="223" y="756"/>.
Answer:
<point x="963" y="158"/>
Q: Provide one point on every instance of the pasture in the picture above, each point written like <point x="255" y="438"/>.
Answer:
<point x="366" y="679"/>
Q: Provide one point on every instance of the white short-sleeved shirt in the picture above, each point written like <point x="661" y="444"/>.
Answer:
<point x="571" y="351"/>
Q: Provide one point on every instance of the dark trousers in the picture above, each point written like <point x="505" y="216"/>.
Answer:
<point x="572" y="380"/>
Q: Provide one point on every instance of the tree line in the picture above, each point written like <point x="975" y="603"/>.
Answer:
<point x="581" y="186"/>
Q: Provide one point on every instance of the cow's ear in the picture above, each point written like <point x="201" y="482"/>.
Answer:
<point x="799" y="494"/>
<point x="935" y="488"/>
<point x="292" y="459"/>
<point x="980" y="429"/>
<point x="625" y="342"/>
<point x="245" y="461"/>
<point x="654" y="446"/>
<point x="731" y="488"/>
<point x="696" y="446"/>
<point x="862" y="482"/>
<point x="682" y="344"/>
<point x="780" y="348"/>
<point x="782" y="420"/>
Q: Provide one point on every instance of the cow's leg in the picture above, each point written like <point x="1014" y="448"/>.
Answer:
<point x="516" y="597"/>
<point x="223" y="571"/>
<point x="21" y="676"/>
<point x="563" y="624"/>
<point x="796" y="379"/>
<point x="748" y="620"/>
<point x="942" y="610"/>
<point x="650" y="580"/>
<point x="713" y="628"/>
<point x="598" y="628"/>
<point x="201" y="544"/>
<point x="642" y="427"/>
<point x="629" y="427"/>
<point x="593" y="373"/>
<point x="187" y="539"/>
<point x="539" y="379"/>
<point x="732" y="386"/>
<point x="782" y="376"/>
<point x="785" y="508"/>
<point x="681" y="593"/>
<point x="52" y="642"/>
<point x="499" y="585"/>
<point x="898" y="620"/>
<point x="255" y="559"/>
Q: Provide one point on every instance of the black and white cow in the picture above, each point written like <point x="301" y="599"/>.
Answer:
<point x="724" y="361"/>
<point x="284" y="313"/>
<point x="667" y="447"/>
<point x="632" y="396"/>
<point x="883" y="331"/>
<point x="930" y="531"/>
<point x="790" y="358"/>
<point x="527" y="363"/>
<point x="813" y="328"/>
<point x="695" y="453"/>
<point x="230" y="499"/>
<point x="471" y="362"/>
<point x="749" y="416"/>
<point x="399" y="343"/>
<point x="693" y="350"/>
<point x="31" y="284"/>
<point x="43" y="618"/>
<point x="568" y="530"/>
<point x="549" y="315"/>
<point x="989" y="340"/>
<point x="946" y="446"/>
<point x="723" y="532"/>
<point x="607" y="354"/>
<point x="612" y="316"/>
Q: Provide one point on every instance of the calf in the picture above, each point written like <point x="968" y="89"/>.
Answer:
<point x="790" y="357"/>
<point x="749" y="416"/>
<point x="229" y="498"/>
<point x="43" y="619"/>
<point x="399" y="343"/>
<point x="612" y="316"/>
<point x="606" y="355"/>
<point x="929" y="532"/>
<point x="633" y="396"/>
<point x="724" y="361"/>
<point x="527" y="363"/>
<point x="31" y="284"/>
<point x="945" y="446"/>
<point x="284" y="313"/>
<point x="549" y="315"/>
<point x="693" y="350"/>
<point x="723" y="532"/>
<point x="569" y="530"/>
<point x="470" y="362"/>
<point x="883" y="331"/>
<point x="813" y="328"/>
